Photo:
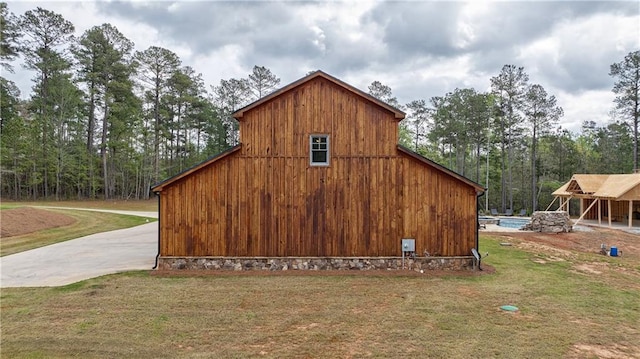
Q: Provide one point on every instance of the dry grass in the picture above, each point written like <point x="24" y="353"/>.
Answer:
<point x="564" y="312"/>
<point x="86" y="223"/>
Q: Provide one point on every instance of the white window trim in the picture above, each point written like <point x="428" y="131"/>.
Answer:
<point x="319" y="164"/>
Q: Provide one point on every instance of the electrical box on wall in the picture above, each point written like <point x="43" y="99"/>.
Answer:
<point x="408" y="245"/>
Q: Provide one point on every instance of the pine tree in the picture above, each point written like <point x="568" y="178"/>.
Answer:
<point x="230" y="96"/>
<point x="262" y="82"/>
<point x="13" y="145"/>
<point x="508" y="88"/>
<point x="9" y="37"/>
<point x="157" y="66"/>
<point x="627" y="90"/>
<point x="542" y="113"/>
<point x="45" y="36"/>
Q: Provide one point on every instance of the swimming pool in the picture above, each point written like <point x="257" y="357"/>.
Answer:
<point x="513" y="222"/>
<point x="484" y="220"/>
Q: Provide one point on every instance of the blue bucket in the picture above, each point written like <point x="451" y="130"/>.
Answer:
<point x="614" y="252"/>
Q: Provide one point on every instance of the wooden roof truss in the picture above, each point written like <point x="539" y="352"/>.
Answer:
<point x="615" y="187"/>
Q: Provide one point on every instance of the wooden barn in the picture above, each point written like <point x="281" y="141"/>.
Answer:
<point x="318" y="173"/>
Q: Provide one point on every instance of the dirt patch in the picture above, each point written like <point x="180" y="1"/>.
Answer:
<point x="591" y="268"/>
<point x="617" y="351"/>
<point x="563" y="244"/>
<point x="582" y="250"/>
<point x="24" y="220"/>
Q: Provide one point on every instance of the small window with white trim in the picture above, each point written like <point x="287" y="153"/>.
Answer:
<point x="319" y="150"/>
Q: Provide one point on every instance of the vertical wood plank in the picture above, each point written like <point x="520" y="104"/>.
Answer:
<point x="267" y="200"/>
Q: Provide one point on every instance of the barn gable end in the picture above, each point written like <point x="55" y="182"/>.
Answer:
<point x="265" y="199"/>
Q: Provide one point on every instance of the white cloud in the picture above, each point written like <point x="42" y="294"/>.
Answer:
<point x="468" y="26"/>
<point x="319" y="40"/>
<point x="419" y="49"/>
<point x="585" y="106"/>
<point x="223" y="63"/>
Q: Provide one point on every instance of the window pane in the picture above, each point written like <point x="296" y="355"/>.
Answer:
<point x="319" y="156"/>
<point x="319" y="143"/>
<point x="319" y="150"/>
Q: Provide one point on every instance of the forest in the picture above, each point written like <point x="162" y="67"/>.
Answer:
<point x="104" y="121"/>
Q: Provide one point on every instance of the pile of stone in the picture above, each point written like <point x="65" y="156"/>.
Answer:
<point x="549" y="222"/>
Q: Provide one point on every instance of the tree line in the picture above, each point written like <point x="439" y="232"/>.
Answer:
<point x="509" y="138"/>
<point x="103" y="120"/>
<point x="106" y="121"/>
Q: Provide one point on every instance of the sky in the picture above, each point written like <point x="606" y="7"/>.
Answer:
<point x="420" y="49"/>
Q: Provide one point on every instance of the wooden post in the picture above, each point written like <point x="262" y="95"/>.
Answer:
<point x="581" y="205"/>
<point x="630" y="213"/>
<point x="550" y="204"/>
<point x="585" y="212"/>
<point x="599" y="213"/>
<point x="609" y="210"/>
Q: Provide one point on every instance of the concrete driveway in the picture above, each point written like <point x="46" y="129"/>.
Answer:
<point x="83" y="258"/>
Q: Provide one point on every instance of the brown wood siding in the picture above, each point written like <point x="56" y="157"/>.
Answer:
<point x="281" y="127"/>
<point x="266" y="199"/>
<point x="283" y="207"/>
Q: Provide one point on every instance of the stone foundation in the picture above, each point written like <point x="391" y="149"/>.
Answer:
<point x="313" y="263"/>
<point x="484" y="220"/>
<point x="549" y="222"/>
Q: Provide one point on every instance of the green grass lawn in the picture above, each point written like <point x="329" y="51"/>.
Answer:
<point x="134" y="205"/>
<point x="564" y="312"/>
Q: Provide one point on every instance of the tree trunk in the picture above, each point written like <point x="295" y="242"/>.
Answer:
<point x="45" y="131"/>
<point x="534" y="202"/>
<point x="510" y="164"/>
<point x="59" y="164"/>
<point x="16" y="184"/>
<point x="636" y="118"/>
<point x="503" y="180"/>
<point x="34" y="186"/>
<point x="156" y="132"/>
<point x="112" y="172"/>
<point x="478" y="163"/>
<point x="104" y="152"/>
<point x="91" y="124"/>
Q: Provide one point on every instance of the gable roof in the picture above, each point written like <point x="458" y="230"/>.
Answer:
<point x="159" y="186"/>
<point x="428" y="162"/>
<point x="617" y="185"/>
<point x="399" y="115"/>
<point x="562" y="191"/>
<point x="612" y="186"/>
<point x="585" y="184"/>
